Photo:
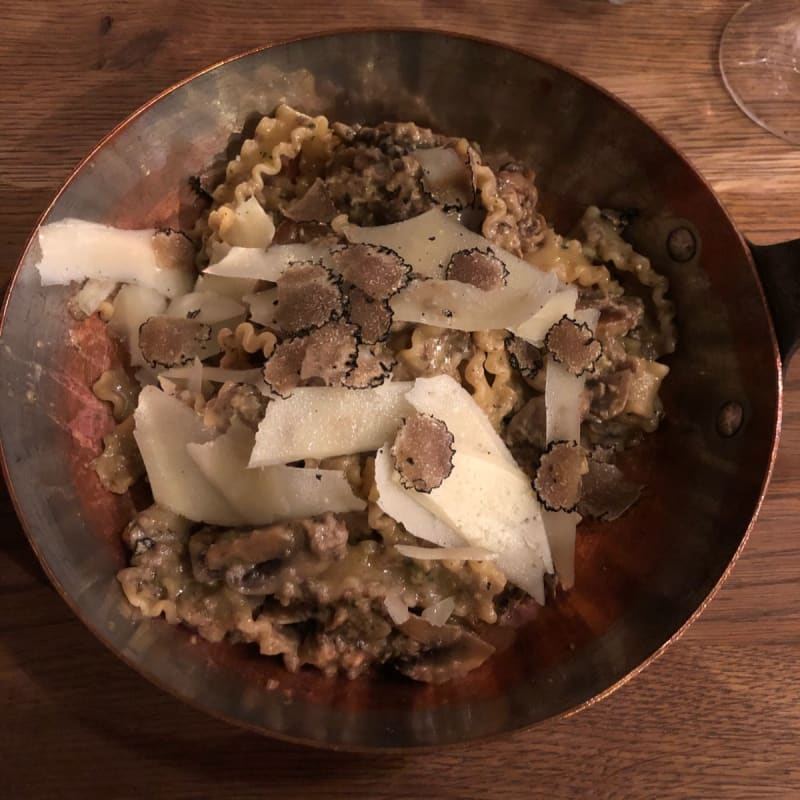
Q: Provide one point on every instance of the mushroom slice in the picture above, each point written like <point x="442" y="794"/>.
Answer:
<point x="378" y="271"/>
<point x="314" y="206"/>
<point x="331" y="352"/>
<point x="483" y="270"/>
<point x="447" y="662"/>
<point x="429" y="635"/>
<point x="573" y="345"/>
<point x="373" y="317"/>
<point x="282" y="369"/>
<point x="308" y="297"/>
<point x="168" y="342"/>
<point x="558" y="478"/>
<point x="423" y="453"/>
<point x="524" y="357"/>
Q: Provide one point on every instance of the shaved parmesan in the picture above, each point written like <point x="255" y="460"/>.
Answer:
<point x="395" y="607"/>
<point x="163" y="429"/>
<point x="218" y="375"/>
<point x="563" y="423"/>
<point x="446" y="399"/>
<point x="73" y="250"/>
<point x="207" y="307"/>
<point x="249" y="225"/>
<point x="269" y="494"/>
<point x="92" y="295"/>
<point x="446" y="176"/>
<point x="445" y="553"/>
<point x="427" y="242"/>
<point x="562" y="399"/>
<point x="494" y="507"/>
<point x="194" y="380"/>
<point x="266" y="265"/>
<point x="234" y="288"/>
<point x="487" y="499"/>
<point x="561" y="529"/>
<point x="318" y="422"/>
<point x="402" y="506"/>
<point x="440" y="612"/>
<point x="452" y="304"/>
<point x="554" y="308"/>
<point x="133" y="306"/>
<point x="263" y="307"/>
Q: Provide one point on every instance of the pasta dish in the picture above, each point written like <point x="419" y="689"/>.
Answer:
<point x="372" y="394"/>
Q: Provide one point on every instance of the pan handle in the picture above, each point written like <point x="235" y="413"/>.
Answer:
<point x="778" y="267"/>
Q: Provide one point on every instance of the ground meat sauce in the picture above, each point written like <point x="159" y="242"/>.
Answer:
<point x="316" y="591"/>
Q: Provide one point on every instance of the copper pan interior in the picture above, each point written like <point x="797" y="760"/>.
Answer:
<point x="638" y="580"/>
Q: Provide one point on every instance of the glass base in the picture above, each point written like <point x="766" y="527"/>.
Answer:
<point x="759" y="57"/>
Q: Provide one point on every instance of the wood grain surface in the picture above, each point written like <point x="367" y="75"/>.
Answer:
<point x="717" y="716"/>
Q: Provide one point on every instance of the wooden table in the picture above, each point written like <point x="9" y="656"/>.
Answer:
<point x="717" y="715"/>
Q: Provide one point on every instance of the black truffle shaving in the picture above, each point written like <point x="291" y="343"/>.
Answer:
<point x="423" y="453"/>
<point x="331" y="352"/>
<point x="309" y="296"/>
<point x="373" y="317"/>
<point x="483" y="270"/>
<point x="573" y="345"/>
<point x="371" y="369"/>
<point x="173" y="249"/>
<point x="282" y="368"/>
<point x="558" y="479"/>
<point x="524" y="357"/>
<point x="172" y="341"/>
<point x="378" y="271"/>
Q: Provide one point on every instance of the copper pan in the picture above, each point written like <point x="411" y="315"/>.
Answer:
<point x="640" y="580"/>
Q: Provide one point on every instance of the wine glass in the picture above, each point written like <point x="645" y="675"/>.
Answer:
<point x="759" y="57"/>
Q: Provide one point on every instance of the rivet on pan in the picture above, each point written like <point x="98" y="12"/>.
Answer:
<point x="681" y="244"/>
<point x="729" y="419"/>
